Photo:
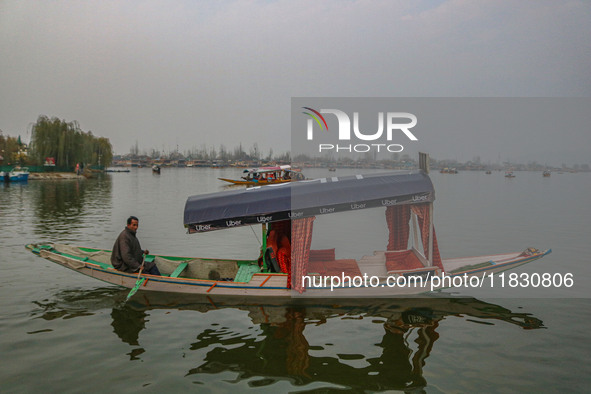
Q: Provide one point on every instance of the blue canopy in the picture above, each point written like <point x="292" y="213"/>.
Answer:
<point x="306" y="198"/>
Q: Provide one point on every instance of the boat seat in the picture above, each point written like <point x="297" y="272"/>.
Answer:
<point x="178" y="270"/>
<point x="322" y="255"/>
<point x="246" y="271"/>
<point x="335" y="267"/>
<point x="402" y="260"/>
<point x="87" y="260"/>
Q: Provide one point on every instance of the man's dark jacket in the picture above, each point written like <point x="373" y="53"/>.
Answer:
<point x="127" y="255"/>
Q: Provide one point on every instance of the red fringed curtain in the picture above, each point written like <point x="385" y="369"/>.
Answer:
<point x="397" y="217"/>
<point x="422" y="212"/>
<point x="284" y="258"/>
<point x="301" y="239"/>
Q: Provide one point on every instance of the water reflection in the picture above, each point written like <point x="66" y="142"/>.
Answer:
<point x="65" y="207"/>
<point x="403" y="332"/>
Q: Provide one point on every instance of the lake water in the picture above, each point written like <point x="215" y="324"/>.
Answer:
<point x="63" y="332"/>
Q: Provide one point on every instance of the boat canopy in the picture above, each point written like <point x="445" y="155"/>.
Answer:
<point x="296" y="200"/>
<point x="262" y="170"/>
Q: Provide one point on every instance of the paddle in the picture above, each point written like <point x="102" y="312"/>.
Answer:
<point x="138" y="283"/>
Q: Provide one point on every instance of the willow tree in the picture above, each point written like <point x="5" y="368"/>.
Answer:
<point x="68" y="144"/>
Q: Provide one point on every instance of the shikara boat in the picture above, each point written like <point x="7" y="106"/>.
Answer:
<point x="409" y="264"/>
<point x="266" y="176"/>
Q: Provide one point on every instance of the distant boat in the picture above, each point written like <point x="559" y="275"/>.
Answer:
<point x="332" y="169"/>
<point x="546" y="173"/>
<point x="488" y="172"/>
<point x="448" y="171"/>
<point x="509" y="174"/>
<point x="117" y="170"/>
<point x="17" y="174"/>
<point x="156" y="169"/>
<point x="267" y="175"/>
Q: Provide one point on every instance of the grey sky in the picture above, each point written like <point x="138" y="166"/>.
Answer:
<point x="189" y="73"/>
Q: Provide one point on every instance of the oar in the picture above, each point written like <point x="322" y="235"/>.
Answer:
<point x="138" y="283"/>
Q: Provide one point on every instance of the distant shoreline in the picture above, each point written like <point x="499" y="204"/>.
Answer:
<point x="54" y="175"/>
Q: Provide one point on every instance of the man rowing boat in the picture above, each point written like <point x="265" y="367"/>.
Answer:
<point x="127" y="255"/>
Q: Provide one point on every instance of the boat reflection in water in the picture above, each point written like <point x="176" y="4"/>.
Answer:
<point x="281" y="348"/>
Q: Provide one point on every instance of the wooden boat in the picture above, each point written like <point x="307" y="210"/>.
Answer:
<point x="286" y="213"/>
<point x="546" y="173"/>
<point x="266" y="176"/>
<point x="17" y="174"/>
<point x="156" y="169"/>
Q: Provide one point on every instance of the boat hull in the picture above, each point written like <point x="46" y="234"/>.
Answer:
<point x="251" y="183"/>
<point x="262" y="284"/>
<point x="15" y="177"/>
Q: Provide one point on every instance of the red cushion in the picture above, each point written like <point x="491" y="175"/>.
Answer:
<point x="345" y="266"/>
<point x="322" y="254"/>
<point x="317" y="267"/>
<point x="405" y="260"/>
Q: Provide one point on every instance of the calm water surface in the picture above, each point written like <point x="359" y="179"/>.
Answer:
<point x="63" y="332"/>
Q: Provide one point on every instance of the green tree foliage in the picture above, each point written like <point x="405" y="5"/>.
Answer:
<point x="9" y="149"/>
<point x="68" y="144"/>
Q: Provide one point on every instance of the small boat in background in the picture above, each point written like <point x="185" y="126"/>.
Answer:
<point x="267" y="176"/>
<point x="488" y="172"/>
<point x="156" y="169"/>
<point x="17" y="174"/>
<point x="447" y="170"/>
<point x="546" y="173"/>
<point x="509" y="174"/>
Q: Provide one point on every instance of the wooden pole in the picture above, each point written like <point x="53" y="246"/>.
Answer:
<point x="415" y="227"/>
<point x="430" y="258"/>
<point x="264" y="247"/>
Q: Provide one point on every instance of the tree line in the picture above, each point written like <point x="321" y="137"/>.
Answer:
<point x="11" y="150"/>
<point x="211" y="153"/>
<point x="68" y="144"/>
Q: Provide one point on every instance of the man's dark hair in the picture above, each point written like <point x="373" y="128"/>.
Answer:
<point x="129" y="219"/>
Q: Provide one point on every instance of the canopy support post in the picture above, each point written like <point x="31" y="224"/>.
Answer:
<point x="415" y="226"/>
<point x="430" y="255"/>
<point x="264" y="247"/>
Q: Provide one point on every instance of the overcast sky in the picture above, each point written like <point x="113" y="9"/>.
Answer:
<point x="189" y="73"/>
